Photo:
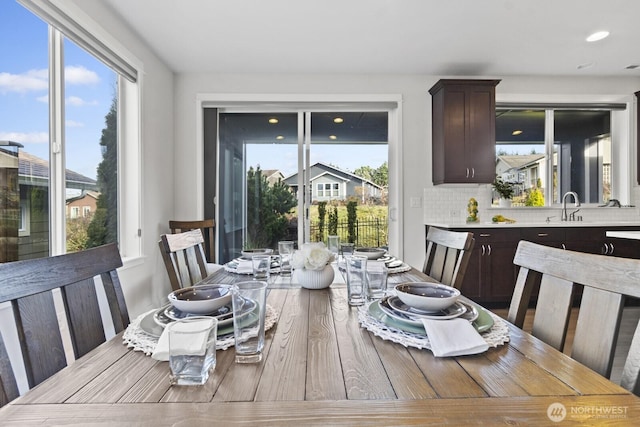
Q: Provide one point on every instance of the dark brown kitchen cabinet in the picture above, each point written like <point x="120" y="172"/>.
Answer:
<point x="463" y="131"/>
<point x="491" y="274"/>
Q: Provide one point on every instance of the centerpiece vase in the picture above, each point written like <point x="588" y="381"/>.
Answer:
<point x="314" y="279"/>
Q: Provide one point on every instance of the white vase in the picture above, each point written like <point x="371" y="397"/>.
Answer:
<point x="504" y="203"/>
<point x="314" y="279"/>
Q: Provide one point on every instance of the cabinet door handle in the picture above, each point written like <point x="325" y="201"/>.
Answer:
<point x="489" y="249"/>
<point x="482" y="250"/>
<point x="485" y="235"/>
<point x="564" y="247"/>
<point x="612" y="248"/>
<point x="473" y="172"/>
<point x="606" y="249"/>
<point x="467" y="173"/>
<point x="543" y="234"/>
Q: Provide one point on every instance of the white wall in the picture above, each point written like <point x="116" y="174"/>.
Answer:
<point x="416" y="127"/>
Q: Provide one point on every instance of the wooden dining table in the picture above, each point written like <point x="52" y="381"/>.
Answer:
<point x="320" y="367"/>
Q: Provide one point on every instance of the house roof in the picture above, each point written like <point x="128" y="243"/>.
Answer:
<point x="520" y="161"/>
<point x="89" y="193"/>
<point x="270" y="172"/>
<point x="35" y="168"/>
<point x="333" y="170"/>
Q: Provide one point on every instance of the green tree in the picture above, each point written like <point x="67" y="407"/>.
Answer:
<point x="322" y="212"/>
<point x="534" y="198"/>
<point x="267" y="206"/>
<point x="365" y="172"/>
<point x="333" y="221"/>
<point x="381" y="175"/>
<point x="104" y="224"/>
<point x="352" y="218"/>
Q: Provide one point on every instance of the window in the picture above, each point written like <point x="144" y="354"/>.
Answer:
<point x="546" y="152"/>
<point x="320" y="190"/>
<point x="71" y="129"/>
<point x="336" y="190"/>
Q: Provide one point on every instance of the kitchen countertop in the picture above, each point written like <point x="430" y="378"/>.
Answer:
<point x="634" y="235"/>
<point x="518" y="224"/>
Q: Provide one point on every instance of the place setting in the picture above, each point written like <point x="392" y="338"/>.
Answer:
<point x="210" y="301"/>
<point x="252" y="259"/>
<point x="393" y="264"/>
<point x="432" y="316"/>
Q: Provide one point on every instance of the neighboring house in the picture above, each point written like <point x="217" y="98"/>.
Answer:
<point x="272" y="175"/>
<point x="33" y="180"/>
<point x="331" y="183"/>
<point x="82" y="206"/>
<point x="523" y="169"/>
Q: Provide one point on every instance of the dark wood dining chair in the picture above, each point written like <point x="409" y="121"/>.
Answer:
<point x="605" y="282"/>
<point x="184" y="258"/>
<point x="447" y="255"/>
<point x="208" y="228"/>
<point x="28" y="286"/>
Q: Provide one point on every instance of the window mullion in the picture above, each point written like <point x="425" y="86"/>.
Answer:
<point x="56" y="144"/>
<point x="549" y="137"/>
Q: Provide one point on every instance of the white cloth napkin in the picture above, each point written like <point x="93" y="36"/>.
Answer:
<point x="195" y="344"/>
<point x="454" y="337"/>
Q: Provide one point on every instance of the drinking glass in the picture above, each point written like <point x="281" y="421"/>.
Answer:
<point x="377" y="273"/>
<point x="333" y="244"/>
<point x="192" y="349"/>
<point x="261" y="267"/>
<point x="356" y="279"/>
<point x="248" y="327"/>
<point x="285" y="250"/>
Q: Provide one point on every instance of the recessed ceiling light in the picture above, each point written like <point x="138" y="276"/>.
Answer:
<point x="516" y="132"/>
<point x="273" y="120"/>
<point x="280" y="137"/>
<point x="598" y="36"/>
<point x="333" y="137"/>
<point x="338" y="120"/>
<point x="585" y="65"/>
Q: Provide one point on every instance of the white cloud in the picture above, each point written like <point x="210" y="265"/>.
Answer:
<point x="79" y="75"/>
<point x="25" y="137"/>
<point x="76" y="101"/>
<point x="32" y="80"/>
<point x="73" y="124"/>
<point x="43" y="98"/>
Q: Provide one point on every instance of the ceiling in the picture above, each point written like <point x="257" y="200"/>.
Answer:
<point x="432" y="37"/>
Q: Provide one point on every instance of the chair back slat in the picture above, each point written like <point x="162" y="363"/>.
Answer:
<point x="85" y="325"/>
<point x="447" y="255"/>
<point x="553" y="311"/>
<point x="597" y="329"/>
<point x="8" y="383"/>
<point x="28" y="285"/>
<point x="605" y="282"/>
<point x="208" y="228"/>
<point x="184" y="258"/>
<point x="39" y="336"/>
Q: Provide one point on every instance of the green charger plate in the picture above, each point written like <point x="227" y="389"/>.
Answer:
<point x="483" y="323"/>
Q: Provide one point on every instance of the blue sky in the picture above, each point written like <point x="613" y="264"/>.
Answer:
<point x="24" y="117"/>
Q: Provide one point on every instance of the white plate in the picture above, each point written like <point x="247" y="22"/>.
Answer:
<point x="395" y="304"/>
<point x="149" y="325"/>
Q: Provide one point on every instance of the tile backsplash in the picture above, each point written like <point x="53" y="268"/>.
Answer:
<point x="448" y="205"/>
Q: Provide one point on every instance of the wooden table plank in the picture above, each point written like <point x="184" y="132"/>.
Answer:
<point x="364" y="374"/>
<point x="283" y="377"/>
<point x="513" y="411"/>
<point x="324" y="380"/>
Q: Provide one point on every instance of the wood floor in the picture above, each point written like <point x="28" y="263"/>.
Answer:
<point x="630" y="318"/>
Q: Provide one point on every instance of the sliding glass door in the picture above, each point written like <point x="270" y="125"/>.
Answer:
<point x="291" y="175"/>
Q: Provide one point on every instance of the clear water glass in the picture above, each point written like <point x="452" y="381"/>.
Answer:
<point x="356" y="266"/>
<point x="248" y="328"/>
<point x="192" y="349"/>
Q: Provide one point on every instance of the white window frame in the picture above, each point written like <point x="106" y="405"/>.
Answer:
<point x="318" y="102"/>
<point x="87" y="32"/>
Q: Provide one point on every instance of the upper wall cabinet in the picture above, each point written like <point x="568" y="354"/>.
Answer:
<point x="464" y="127"/>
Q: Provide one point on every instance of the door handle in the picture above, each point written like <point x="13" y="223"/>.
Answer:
<point x="467" y="173"/>
<point x="473" y="172"/>
<point x="482" y="250"/>
<point x="489" y="249"/>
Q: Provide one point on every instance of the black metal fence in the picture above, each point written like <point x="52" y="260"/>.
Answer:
<point x="370" y="232"/>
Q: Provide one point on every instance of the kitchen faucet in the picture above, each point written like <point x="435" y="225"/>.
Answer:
<point x="564" y="203"/>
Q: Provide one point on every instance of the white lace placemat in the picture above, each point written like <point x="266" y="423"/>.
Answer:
<point x="497" y="335"/>
<point x="134" y="336"/>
